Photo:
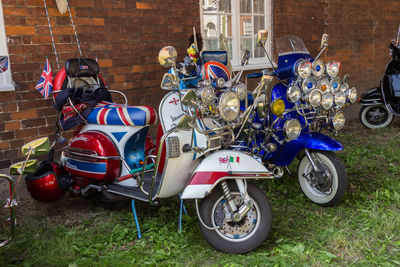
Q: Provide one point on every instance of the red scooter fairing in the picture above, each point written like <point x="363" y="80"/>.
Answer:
<point x="83" y="156"/>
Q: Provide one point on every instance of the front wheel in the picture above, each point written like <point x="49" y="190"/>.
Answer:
<point x="326" y="186"/>
<point x="375" y="117"/>
<point x="235" y="237"/>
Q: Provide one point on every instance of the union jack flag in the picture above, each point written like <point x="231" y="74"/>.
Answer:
<point x="45" y="83"/>
<point x="223" y="160"/>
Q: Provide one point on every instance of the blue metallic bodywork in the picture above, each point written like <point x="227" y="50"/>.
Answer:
<point x="286" y="152"/>
<point x="287" y="64"/>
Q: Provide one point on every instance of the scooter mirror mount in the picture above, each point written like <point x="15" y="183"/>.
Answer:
<point x="262" y="37"/>
<point x="246" y="57"/>
<point x="324" y="40"/>
<point x="167" y="56"/>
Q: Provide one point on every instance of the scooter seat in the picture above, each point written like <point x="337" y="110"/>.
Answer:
<point x="107" y="113"/>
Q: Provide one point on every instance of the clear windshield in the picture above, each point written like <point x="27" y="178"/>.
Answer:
<point x="290" y="45"/>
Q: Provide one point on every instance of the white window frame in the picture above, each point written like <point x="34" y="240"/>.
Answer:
<point x="254" y="63"/>
<point x="6" y="82"/>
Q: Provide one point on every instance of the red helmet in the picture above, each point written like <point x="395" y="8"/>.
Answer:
<point x="45" y="184"/>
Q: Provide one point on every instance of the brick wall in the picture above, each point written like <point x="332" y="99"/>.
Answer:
<point x="124" y="35"/>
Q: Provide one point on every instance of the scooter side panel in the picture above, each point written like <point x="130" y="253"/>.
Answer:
<point x="306" y="140"/>
<point x="121" y="137"/>
<point x="177" y="170"/>
<point x="220" y="164"/>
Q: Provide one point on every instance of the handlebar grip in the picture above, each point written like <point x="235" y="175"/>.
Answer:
<point x="254" y="75"/>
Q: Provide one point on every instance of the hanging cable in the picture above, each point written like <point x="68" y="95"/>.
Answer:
<point x="73" y="26"/>
<point x="51" y="34"/>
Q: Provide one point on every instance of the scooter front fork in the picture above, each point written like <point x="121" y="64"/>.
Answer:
<point x="238" y="213"/>
<point x="315" y="167"/>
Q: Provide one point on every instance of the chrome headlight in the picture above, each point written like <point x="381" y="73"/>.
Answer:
<point x="309" y="84"/>
<point x="221" y="82"/>
<point x="318" y="68"/>
<point x="338" y="120"/>
<point x="335" y="84"/>
<point x="327" y="101"/>
<point x="304" y="69"/>
<point x="229" y="106"/>
<point x="207" y="95"/>
<point x="207" y="83"/>
<point x="293" y="94"/>
<point x="292" y="129"/>
<point x="314" y="98"/>
<point x="344" y="87"/>
<point x="323" y="85"/>
<point x="340" y="99"/>
<point x="352" y="95"/>
<point x="333" y="68"/>
<point x="241" y="91"/>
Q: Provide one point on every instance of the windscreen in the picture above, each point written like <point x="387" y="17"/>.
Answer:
<point x="290" y="45"/>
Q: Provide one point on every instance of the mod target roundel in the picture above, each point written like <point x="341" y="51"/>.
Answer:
<point x="215" y="70"/>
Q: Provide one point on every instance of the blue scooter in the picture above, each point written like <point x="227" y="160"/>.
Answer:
<point x="287" y="112"/>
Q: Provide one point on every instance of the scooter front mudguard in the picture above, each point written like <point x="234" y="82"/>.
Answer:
<point x="219" y="166"/>
<point x="316" y="141"/>
<point x="371" y="97"/>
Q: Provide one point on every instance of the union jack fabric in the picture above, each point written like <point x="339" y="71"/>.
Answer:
<point x="45" y="83"/>
<point x="223" y="160"/>
<point x="3" y="63"/>
<point x="106" y="113"/>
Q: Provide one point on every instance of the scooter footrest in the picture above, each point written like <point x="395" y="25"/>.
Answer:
<point x="135" y="192"/>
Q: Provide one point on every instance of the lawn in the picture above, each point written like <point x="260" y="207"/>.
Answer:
<point x="362" y="230"/>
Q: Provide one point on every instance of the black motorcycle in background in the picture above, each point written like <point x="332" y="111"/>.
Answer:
<point x="380" y="104"/>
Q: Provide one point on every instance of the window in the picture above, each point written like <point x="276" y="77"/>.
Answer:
<point x="238" y="21"/>
<point x="6" y="83"/>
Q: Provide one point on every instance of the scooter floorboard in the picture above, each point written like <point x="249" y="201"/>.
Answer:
<point x="135" y="192"/>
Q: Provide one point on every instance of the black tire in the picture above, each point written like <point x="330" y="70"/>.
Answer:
<point x="260" y="215"/>
<point x="335" y="187"/>
<point x="375" y="117"/>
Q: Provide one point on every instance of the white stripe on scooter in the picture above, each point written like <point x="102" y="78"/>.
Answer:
<point x="195" y="191"/>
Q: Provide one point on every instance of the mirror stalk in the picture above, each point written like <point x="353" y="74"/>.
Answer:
<point x="320" y="52"/>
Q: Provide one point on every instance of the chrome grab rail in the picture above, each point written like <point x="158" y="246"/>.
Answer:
<point x="12" y="212"/>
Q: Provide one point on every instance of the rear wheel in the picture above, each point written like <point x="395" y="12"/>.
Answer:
<point x="375" y="117"/>
<point x="236" y="237"/>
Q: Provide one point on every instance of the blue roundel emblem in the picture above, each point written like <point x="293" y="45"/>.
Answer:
<point x="215" y="70"/>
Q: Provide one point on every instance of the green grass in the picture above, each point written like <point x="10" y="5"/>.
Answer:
<point x="363" y="230"/>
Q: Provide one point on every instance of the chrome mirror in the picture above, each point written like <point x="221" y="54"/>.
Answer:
<point x="24" y="167"/>
<point x="184" y="122"/>
<point x="167" y="56"/>
<point x="169" y="82"/>
<point x="189" y="98"/>
<point x="324" y="40"/>
<point x="262" y="36"/>
<point x="36" y="147"/>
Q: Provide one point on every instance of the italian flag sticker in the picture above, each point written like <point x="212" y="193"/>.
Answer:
<point x="232" y="159"/>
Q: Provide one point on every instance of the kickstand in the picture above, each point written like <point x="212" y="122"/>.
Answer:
<point x="181" y="207"/>
<point x="139" y="234"/>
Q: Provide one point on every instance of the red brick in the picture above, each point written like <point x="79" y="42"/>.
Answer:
<point x="25" y="114"/>
<point x="26" y="133"/>
<point x="20" y="30"/>
<point x="4" y="145"/>
<point x="12" y="125"/>
<point x="146" y="5"/>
